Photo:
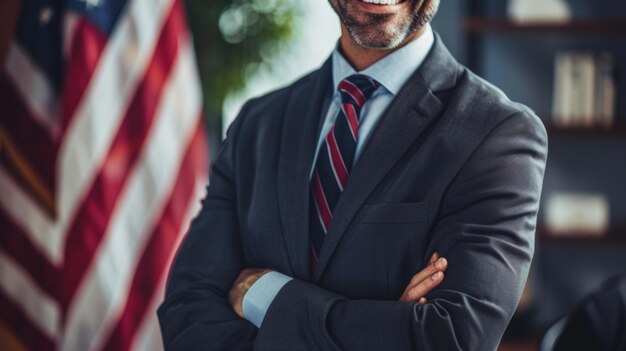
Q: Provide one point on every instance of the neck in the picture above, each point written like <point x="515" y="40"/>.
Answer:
<point x="360" y="57"/>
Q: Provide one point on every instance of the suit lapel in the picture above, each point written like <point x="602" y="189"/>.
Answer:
<point x="302" y="124"/>
<point x="413" y="109"/>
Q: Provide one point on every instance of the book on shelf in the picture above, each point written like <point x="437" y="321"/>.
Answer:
<point x="584" y="89"/>
<point x="539" y="11"/>
<point x="605" y="108"/>
<point x="577" y="214"/>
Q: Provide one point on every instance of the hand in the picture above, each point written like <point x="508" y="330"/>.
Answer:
<point x="426" y="280"/>
<point x="242" y="284"/>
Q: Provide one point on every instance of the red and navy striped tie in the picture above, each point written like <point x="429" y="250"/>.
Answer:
<point x="335" y="158"/>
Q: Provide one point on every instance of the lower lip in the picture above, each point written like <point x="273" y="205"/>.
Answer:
<point x="380" y="8"/>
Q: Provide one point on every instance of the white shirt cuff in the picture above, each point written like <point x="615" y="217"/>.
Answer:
<point x="259" y="297"/>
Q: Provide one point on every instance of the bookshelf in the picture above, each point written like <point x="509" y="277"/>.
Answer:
<point x="479" y="25"/>
<point x="617" y="131"/>
<point x="521" y="59"/>
<point x="615" y="235"/>
<point x="611" y="27"/>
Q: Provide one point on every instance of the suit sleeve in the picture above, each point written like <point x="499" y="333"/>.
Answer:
<point x="196" y="314"/>
<point x="485" y="227"/>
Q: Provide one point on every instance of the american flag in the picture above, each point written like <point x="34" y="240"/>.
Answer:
<point x="102" y="162"/>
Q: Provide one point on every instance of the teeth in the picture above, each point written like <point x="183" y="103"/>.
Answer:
<point x="383" y="2"/>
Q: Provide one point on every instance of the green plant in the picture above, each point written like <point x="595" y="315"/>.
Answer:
<point x="232" y="38"/>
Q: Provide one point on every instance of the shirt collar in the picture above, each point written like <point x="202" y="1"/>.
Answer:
<point x="393" y="70"/>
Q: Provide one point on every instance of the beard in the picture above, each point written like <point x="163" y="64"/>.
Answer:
<point x="384" y="31"/>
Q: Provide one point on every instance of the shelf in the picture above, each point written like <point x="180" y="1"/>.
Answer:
<point x="615" y="27"/>
<point x="616" y="235"/>
<point x="615" y="131"/>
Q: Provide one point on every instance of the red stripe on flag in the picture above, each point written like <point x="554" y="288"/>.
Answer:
<point x="92" y="219"/>
<point x="352" y="90"/>
<point x="353" y="120"/>
<point x="87" y="46"/>
<point x="322" y="204"/>
<point x="23" y="329"/>
<point x="337" y="162"/>
<point x="17" y="246"/>
<point x="155" y="258"/>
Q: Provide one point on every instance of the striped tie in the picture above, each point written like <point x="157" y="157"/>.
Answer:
<point x="335" y="158"/>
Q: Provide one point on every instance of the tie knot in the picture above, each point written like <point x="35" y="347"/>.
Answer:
<point x="357" y="89"/>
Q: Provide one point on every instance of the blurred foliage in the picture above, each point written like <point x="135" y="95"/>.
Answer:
<point x="233" y="39"/>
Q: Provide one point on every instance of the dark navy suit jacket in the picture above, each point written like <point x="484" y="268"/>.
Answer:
<point x="453" y="166"/>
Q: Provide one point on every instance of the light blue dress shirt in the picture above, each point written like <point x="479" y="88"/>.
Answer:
<point x="391" y="72"/>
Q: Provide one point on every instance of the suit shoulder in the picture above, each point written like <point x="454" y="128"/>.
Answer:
<point x="484" y="104"/>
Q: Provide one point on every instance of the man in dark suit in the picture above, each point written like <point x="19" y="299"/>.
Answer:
<point x="329" y="195"/>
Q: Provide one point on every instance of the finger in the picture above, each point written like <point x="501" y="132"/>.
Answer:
<point x="422" y="301"/>
<point x="440" y="265"/>
<point x="417" y="292"/>
<point x="424" y="287"/>
<point x="434" y="257"/>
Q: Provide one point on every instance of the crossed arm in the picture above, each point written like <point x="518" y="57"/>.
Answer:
<point x="420" y="284"/>
<point x="485" y="227"/>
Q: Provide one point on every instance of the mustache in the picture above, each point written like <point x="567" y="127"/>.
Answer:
<point x="426" y="11"/>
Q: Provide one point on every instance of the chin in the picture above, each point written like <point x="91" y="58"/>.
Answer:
<point x="377" y="39"/>
<point x="377" y="26"/>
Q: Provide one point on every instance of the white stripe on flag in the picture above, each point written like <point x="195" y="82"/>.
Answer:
<point x="120" y="69"/>
<point x="26" y="214"/>
<point x="148" y="335"/>
<point x="100" y="113"/>
<point x="69" y="30"/>
<point x="33" y="86"/>
<point x="102" y="294"/>
<point x="40" y="308"/>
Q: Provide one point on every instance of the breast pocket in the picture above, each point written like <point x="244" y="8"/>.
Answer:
<point x="390" y="239"/>
<point x="393" y="213"/>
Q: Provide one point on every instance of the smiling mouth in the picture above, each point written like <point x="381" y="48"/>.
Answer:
<point x="382" y="2"/>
